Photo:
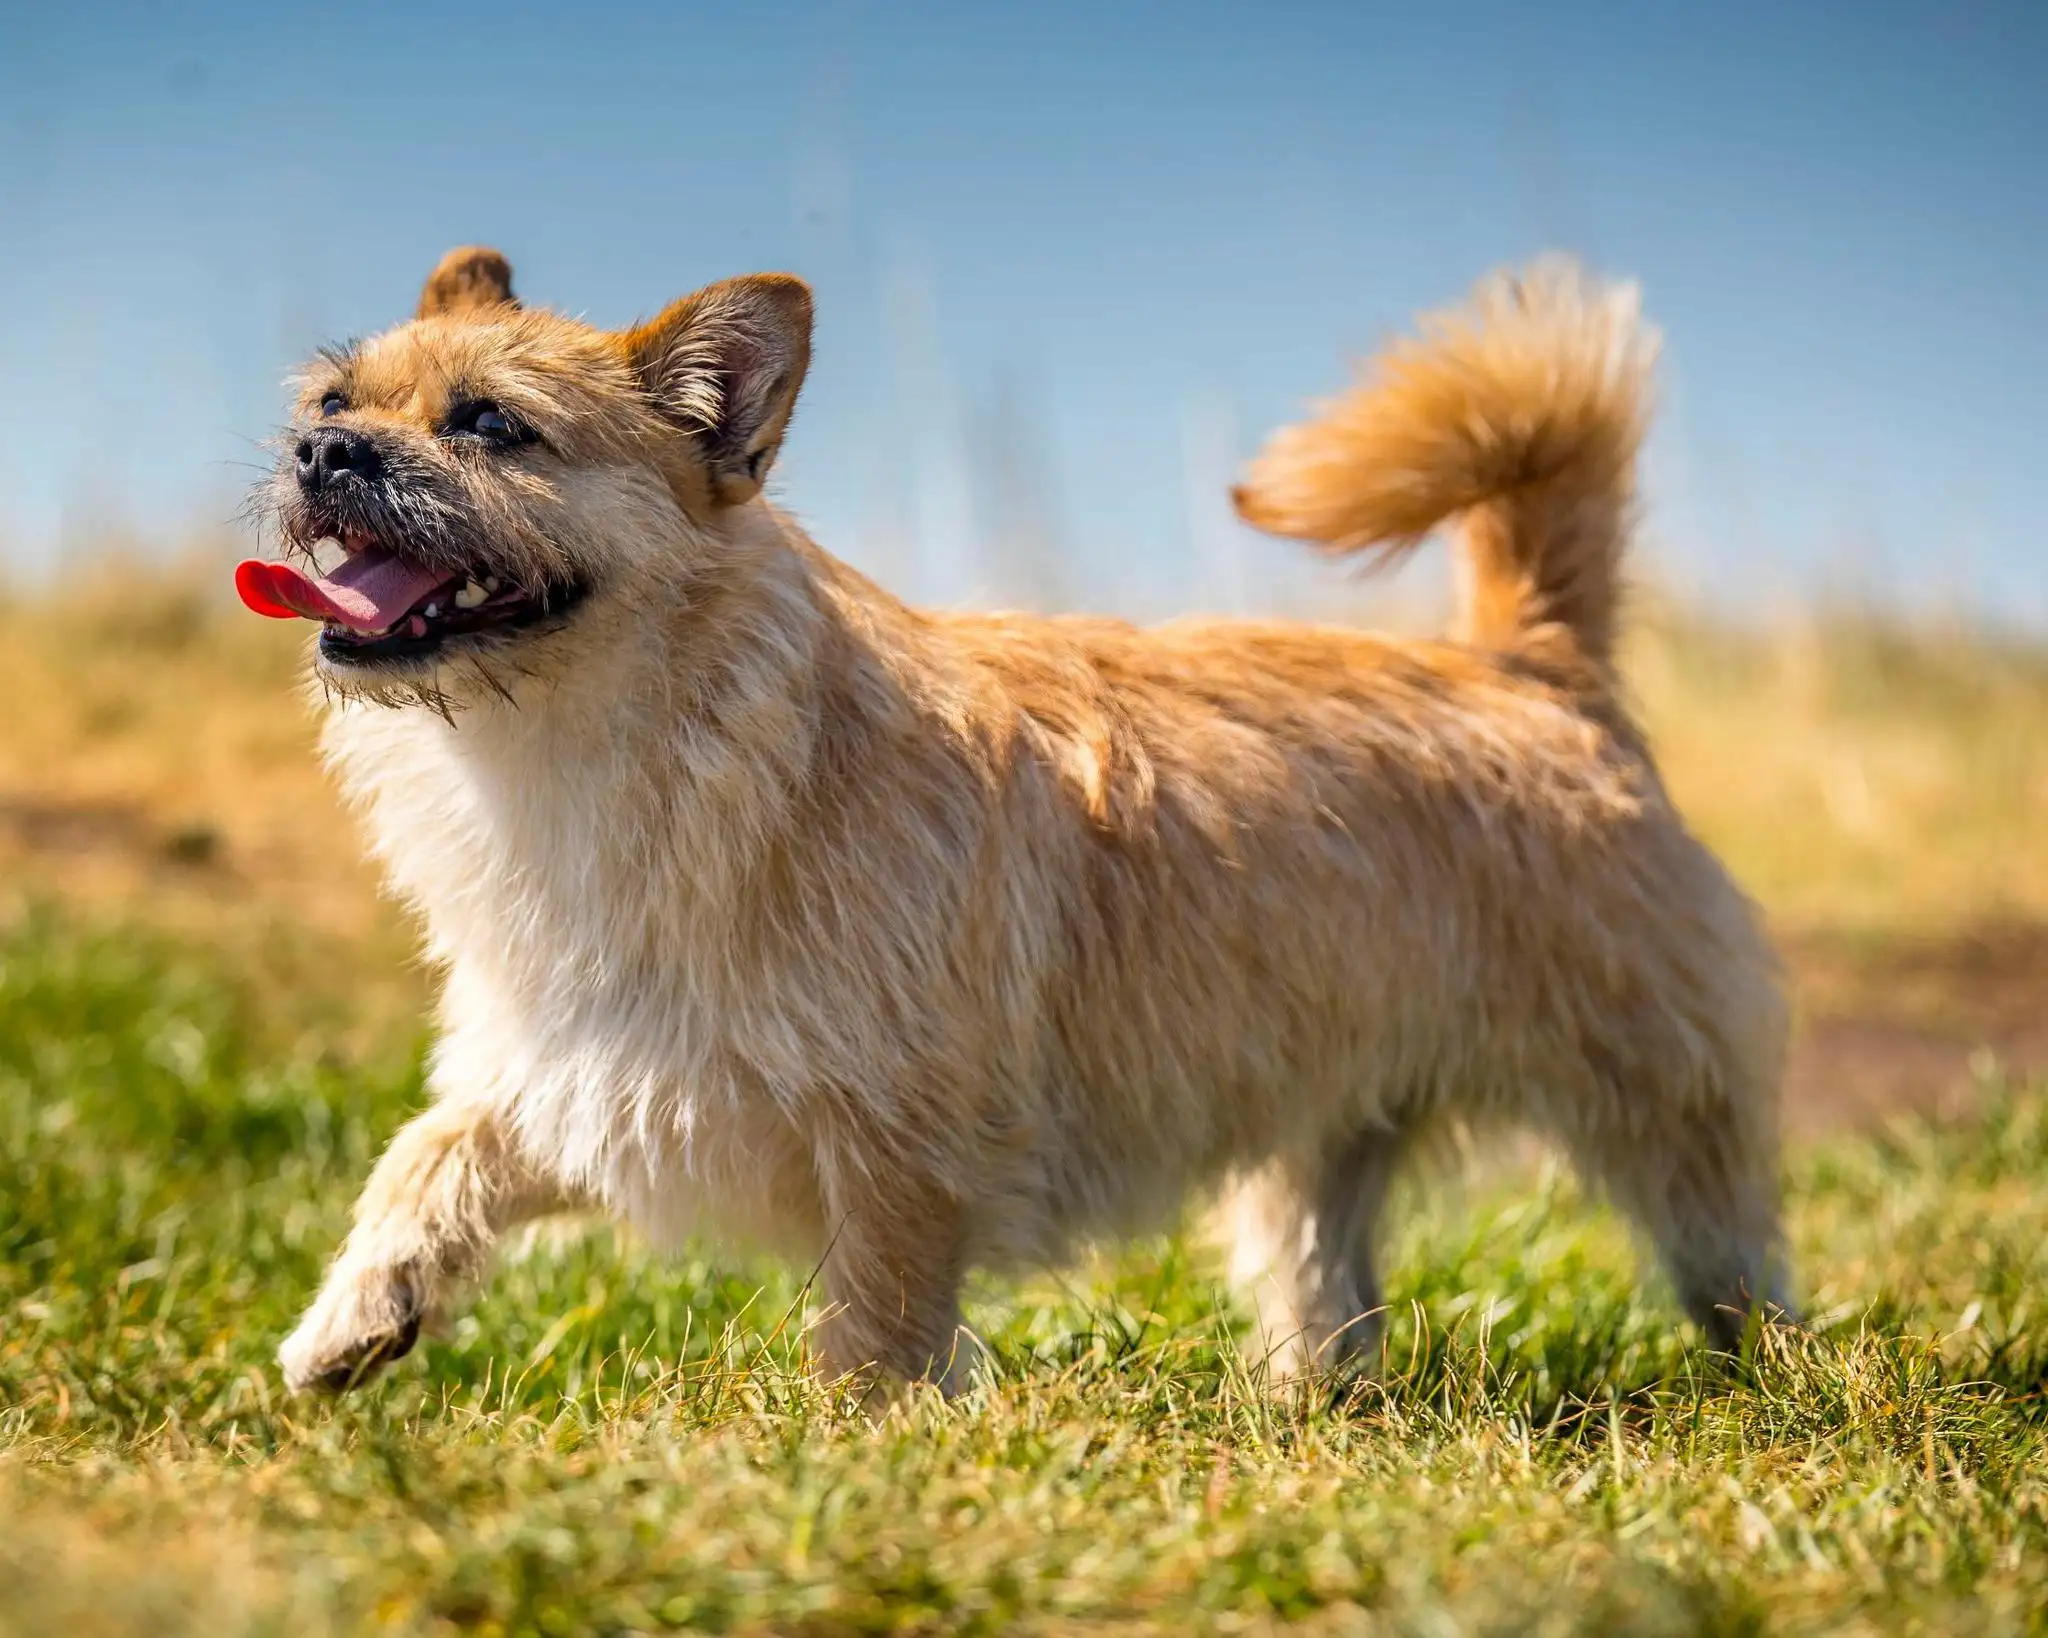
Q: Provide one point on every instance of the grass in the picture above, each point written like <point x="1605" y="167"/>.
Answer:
<point x="612" y="1443"/>
<point x="157" y="759"/>
<point x="208" y="1025"/>
<point x="1856" y="772"/>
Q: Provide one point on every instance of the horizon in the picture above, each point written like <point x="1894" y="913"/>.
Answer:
<point x="1064" y="292"/>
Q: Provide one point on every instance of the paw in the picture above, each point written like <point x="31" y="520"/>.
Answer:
<point x="361" y="1321"/>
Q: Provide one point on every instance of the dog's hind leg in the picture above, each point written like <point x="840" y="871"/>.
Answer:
<point x="1701" y="1182"/>
<point x="1303" y="1237"/>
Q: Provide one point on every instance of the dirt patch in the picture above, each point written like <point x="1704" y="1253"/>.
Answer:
<point x="1888" y="1021"/>
<point x="1894" y="1021"/>
<point x="50" y="825"/>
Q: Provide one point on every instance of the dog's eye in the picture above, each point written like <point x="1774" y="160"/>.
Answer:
<point x="333" y="404"/>
<point x="485" y="420"/>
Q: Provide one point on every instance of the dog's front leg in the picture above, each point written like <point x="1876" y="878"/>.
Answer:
<point x="451" y="1184"/>
<point x="892" y="1282"/>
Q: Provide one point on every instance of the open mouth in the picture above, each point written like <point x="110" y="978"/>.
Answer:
<point x="377" y="605"/>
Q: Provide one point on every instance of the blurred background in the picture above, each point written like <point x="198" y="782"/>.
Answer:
<point x="1073" y="263"/>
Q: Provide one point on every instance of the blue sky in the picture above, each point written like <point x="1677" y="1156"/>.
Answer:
<point x="1072" y="261"/>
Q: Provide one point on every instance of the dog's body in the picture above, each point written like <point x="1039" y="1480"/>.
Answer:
<point x="912" y="943"/>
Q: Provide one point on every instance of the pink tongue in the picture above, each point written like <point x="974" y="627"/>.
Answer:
<point x="370" y="591"/>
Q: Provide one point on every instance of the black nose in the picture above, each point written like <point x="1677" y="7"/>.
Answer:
<point x="327" y="453"/>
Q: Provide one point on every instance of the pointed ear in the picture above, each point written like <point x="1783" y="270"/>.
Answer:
<point x="726" y="363"/>
<point x="471" y="276"/>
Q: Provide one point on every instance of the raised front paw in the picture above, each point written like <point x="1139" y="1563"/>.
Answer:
<point x="362" y="1320"/>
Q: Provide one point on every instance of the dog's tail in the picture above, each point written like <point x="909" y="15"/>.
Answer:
<point x="1520" y="415"/>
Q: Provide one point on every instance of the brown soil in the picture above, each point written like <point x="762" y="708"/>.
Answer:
<point x="1888" y="1020"/>
<point x="1913" y="1021"/>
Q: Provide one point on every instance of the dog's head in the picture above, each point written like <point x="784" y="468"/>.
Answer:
<point x="472" y="485"/>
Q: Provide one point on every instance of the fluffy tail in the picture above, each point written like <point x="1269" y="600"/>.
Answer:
<point x="1521" y="416"/>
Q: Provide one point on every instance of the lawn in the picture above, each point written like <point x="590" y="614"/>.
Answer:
<point x="611" y="1442"/>
<point x="207" y="1027"/>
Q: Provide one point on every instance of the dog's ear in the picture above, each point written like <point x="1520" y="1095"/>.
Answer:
<point x="470" y="276"/>
<point x="726" y="364"/>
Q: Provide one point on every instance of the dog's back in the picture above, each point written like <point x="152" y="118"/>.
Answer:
<point x="1294" y="893"/>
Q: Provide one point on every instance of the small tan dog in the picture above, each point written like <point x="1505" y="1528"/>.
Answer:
<point x="909" y="943"/>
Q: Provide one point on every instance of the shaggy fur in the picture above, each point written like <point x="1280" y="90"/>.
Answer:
<point x="908" y="943"/>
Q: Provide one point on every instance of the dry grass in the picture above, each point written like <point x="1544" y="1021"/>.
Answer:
<point x="188" y="1096"/>
<point x="1858" y="773"/>
<point x="158" y="764"/>
<point x="157" y="760"/>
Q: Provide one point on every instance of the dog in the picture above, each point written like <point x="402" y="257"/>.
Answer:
<point x="908" y="943"/>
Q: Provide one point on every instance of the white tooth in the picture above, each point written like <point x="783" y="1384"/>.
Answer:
<point x="470" y="595"/>
<point x="432" y="611"/>
<point x="491" y="585"/>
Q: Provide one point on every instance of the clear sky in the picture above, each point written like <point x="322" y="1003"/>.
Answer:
<point x="1072" y="260"/>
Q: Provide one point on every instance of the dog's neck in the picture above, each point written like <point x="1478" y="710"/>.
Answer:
<point x="655" y="758"/>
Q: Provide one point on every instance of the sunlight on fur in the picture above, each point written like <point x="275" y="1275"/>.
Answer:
<point x="908" y="944"/>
